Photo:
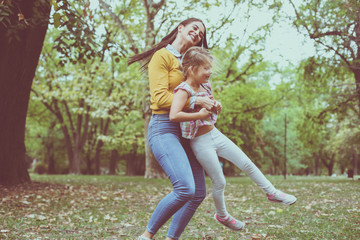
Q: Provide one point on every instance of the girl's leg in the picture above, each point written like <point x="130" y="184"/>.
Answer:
<point x="204" y="150"/>
<point x="203" y="147"/>
<point x="231" y="152"/>
<point x="182" y="217"/>
<point x="228" y="150"/>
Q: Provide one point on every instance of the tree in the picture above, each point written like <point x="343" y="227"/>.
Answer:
<point x="335" y="27"/>
<point x="23" y="24"/>
<point x="322" y="92"/>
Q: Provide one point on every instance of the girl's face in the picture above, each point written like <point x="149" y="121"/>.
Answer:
<point x="192" y="32"/>
<point x="202" y="73"/>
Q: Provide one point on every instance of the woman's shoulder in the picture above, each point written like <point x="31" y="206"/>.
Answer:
<point x="162" y="52"/>
<point x="161" y="55"/>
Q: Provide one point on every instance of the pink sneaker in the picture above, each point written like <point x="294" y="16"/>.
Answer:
<point x="281" y="197"/>
<point x="230" y="222"/>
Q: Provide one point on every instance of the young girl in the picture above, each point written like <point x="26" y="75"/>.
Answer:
<point x="208" y="142"/>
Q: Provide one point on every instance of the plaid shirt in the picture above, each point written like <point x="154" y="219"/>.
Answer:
<point x="189" y="129"/>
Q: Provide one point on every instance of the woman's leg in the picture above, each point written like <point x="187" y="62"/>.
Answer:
<point x="172" y="158"/>
<point x="182" y="217"/>
<point x="164" y="141"/>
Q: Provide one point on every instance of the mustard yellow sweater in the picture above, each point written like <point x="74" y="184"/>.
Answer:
<point x="164" y="77"/>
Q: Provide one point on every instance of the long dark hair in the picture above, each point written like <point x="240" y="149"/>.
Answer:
<point x="164" y="42"/>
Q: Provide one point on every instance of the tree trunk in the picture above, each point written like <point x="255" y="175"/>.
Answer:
<point x="356" y="67"/>
<point x="355" y="163"/>
<point x="49" y="144"/>
<point x="100" y="143"/>
<point x="97" y="156"/>
<point x="50" y="158"/>
<point x="357" y="81"/>
<point x="135" y="163"/>
<point x="317" y="163"/>
<point x="75" y="167"/>
<point x="88" y="164"/>
<point x="80" y="135"/>
<point x="20" y="49"/>
<point x="330" y="165"/>
<point x="113" y="162"/>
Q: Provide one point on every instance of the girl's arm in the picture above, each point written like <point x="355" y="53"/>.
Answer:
<point x="177" y="106"/>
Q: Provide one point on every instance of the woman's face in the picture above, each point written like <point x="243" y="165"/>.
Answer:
<point x="192" y="33"/>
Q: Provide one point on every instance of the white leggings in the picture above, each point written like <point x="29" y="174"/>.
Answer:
<point x="208" y="147"/>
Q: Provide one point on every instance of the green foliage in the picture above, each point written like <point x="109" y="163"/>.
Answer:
<point x="103" y="90"/>
<point x="17" y="16"/>
<point x="43" y="138"/>
<point x="5" y="12"/>
<point x="325" y="94"/>
<point x="76" y="41"/>
<point x="245" y="98"/>
<point x="83" y="71"/>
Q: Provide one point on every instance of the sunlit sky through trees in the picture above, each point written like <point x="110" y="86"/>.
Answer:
<point x="285" y="45"/>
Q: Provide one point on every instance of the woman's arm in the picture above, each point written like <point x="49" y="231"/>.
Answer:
<point x="176" y="111"/>
<point x="159" y="79"/>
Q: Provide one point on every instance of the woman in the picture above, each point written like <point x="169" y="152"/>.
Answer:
<point x="173" y="153"/>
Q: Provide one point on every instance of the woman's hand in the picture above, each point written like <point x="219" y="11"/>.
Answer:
<point x="205" y="102"/>
<point x="204" y="114"/>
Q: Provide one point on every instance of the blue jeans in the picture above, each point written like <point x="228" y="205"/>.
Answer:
<point x="187" y="176"/>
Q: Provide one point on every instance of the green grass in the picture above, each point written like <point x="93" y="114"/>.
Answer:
<point x="114" y="207"/>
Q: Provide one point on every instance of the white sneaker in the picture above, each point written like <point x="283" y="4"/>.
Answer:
<point x="142" y="237"/>
<point x="281" y="197"/>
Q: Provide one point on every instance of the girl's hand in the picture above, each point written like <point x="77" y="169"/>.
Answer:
<point x="204" y="114"/>
<point x="205" y="102"/>
<point x="217" y="107"/>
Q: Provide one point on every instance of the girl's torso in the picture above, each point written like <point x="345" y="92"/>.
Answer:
<point x="196" y="128"/>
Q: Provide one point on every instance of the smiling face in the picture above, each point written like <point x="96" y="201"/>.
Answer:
<point x="192" y="33"/>
<point x="202" y="73"/>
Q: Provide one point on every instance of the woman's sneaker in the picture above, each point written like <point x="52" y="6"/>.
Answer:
<point x="142" y="237"/>
<point x="230" y="222"/>
<point x="281" y="197"/>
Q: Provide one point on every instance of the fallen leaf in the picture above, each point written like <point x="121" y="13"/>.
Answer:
<point x="21" y="16"/>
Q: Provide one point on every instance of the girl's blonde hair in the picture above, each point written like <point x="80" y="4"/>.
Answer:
<point x="195" y="57"/>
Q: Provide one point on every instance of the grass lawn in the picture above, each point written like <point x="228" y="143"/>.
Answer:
<point x="116" y="207"/>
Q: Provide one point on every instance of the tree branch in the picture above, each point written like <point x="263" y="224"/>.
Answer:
<point x="259" y="107"/>
<point x="68" y="114"/>
<point x="107" y="8"/>
<point x="242" y="73"/>
<point x="336" y="52"/>
<point x="334" y="108"/>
